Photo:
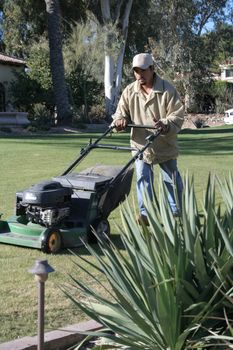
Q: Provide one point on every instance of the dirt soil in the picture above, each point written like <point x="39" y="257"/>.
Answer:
<point x="191" y="120"/>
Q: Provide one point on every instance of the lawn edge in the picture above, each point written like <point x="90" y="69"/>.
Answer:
<point x="60" y="339"/>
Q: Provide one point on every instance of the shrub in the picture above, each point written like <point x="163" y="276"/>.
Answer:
<point x="172" y="286"/>
<point x="84" y="93"/>
<point x="35" y="85"/>
<point x="97" y="113"/>
<point x="27" y="92"/>
<point x="223" y="92"/>
<point x="199" y="123"/>
<point x="40" y="118"/>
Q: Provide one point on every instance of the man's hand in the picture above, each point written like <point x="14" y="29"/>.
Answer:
<point x="160" y="125"/>
<point x="120" y="124"/>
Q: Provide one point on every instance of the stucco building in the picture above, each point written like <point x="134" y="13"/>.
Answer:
<point x="8" y="65"/>
<point x="8" y="115"/>
<point x="227" y="71"/>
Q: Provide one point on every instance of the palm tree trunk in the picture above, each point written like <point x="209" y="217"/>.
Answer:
<point x="56" y="62"/>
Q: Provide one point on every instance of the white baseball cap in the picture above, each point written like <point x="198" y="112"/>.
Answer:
<point x="143" y="61"/>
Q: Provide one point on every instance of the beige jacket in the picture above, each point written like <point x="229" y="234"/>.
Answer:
<point x="162" y="103"/>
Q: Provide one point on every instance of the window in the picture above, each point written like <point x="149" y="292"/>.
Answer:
<point x="229" y="73"/>
<point x="2" y="98"/>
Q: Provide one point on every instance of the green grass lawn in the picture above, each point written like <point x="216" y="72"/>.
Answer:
<point x="28" y="160"/>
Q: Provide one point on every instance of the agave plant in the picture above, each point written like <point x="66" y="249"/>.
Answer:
<point x="172" y="284"/>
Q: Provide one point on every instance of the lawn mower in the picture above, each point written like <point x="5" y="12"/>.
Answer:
<point x="73" y="207"/>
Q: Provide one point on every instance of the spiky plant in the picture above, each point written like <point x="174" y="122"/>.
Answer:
<point x="172" y="283"/>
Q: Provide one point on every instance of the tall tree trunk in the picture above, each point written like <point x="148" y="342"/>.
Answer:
<point x="56" y="62"/>
<point x="113" y="66"/>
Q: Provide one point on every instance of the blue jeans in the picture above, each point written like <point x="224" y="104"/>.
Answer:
<point x="145" y="182"/>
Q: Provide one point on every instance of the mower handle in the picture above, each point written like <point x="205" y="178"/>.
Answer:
<point x="94" y="144"/>
<point x="141" y="126"/>
<point x="149" y="139"/>
<point x="137" y="126"/>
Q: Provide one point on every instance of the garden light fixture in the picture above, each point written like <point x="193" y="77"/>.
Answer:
<point x="41" y="269"/>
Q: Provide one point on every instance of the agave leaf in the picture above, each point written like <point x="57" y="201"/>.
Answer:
<point x="200" y="266"/>
<point x="166" y="213"/>
<point x="89" y="292"/>
<point x="210" y="238"/>
<point x="141" y="316"/>
<point x="120" y="323"/>
<point x="227" y="242"/>
<point x="94" y="277"/>
<point x="226" y="190"/>
<point x="168" y="312"/>
<point x="188" y="218"/>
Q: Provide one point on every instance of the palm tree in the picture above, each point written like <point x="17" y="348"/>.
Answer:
<point x="56" y="61"/>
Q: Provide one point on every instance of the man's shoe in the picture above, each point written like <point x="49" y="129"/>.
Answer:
<point x="142" y="220"/>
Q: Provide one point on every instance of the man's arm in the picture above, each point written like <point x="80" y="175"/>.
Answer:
<point x="174" y="113"/>
<point x="173" y="108"/>
<point x="121" y="116"/>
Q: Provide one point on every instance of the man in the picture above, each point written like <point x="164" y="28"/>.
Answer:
<point x="151" y="100"/>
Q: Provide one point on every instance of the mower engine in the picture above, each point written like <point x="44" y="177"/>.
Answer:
<point x="46" y="203"/>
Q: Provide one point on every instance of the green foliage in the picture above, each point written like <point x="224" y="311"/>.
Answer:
<point x="182" y="53"/>
<point x="25" y="22"/>
<point x="39" y="66"/>
<point x="223" y="93"/>
<point x="85" y="94"/>
<point x="174" y="282"/>
<point x="40" y="118"/>
<point x="221" y="44"/>
<point x="27" y="92"/>
<point x="83" y="56"/>
<point x="172" y="30"/>
<point x="84" y="50"/>
<point x="34" y="86"/>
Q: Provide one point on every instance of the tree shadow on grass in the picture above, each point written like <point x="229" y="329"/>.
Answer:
<point x="207" y="141"/>
<point x="50" y="138"/>
<point x="204" y="131"/>
<point x="207" y="146"/>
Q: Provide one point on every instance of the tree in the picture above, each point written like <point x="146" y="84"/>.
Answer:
<point x="24" y="22"/>
<point x="56" y="61"/>
<point x="114" y="18"/>
<point x="179" y="48"/>
<point x="35" y="86"/>
<point x="83" y="56"/>
<point x="223" y="48"/>
<point x="174" y="31"/>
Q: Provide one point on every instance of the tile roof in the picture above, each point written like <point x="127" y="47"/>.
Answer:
<point x="226" y="63"/>
<point x="4" y="59"/>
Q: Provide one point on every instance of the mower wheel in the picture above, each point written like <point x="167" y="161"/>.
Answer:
<point x="52" y="243"/>
<point x="101" y="228"/>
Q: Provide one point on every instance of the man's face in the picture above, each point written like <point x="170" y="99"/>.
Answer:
<point x="144" y="76"/>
